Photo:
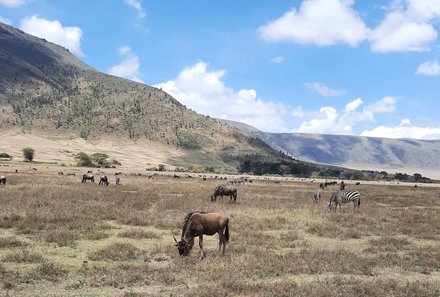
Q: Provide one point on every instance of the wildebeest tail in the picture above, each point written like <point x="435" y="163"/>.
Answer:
<point x="227" y="231"/>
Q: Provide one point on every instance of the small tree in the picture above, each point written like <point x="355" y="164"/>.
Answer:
<point x="29" y="153"/>
<point x="100" y="160"/>
<point x="84" y="160"/>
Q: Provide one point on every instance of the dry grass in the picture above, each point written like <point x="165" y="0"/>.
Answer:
<point x="74" y="239"/>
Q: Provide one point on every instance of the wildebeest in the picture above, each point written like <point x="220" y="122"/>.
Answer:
<point x="3" y="180"/>
<point x="87" y="177"/>
<point x="198" y="223"/>
<point x="103" y="180"/>
<point x="224" y="191"/>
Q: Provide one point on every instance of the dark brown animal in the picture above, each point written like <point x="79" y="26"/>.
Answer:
<point x="3" y="180"/>
<point x="87" y="177"/>
<point x="103" y="180"/>
<point x="224" y="191"/>
<point x="199" y="224"/>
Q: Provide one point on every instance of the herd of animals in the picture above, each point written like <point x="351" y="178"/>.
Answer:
<point x="198" y="223"/>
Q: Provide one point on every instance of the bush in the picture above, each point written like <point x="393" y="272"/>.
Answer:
<point x="100" y="160"/>
<point x="29" y="153"/>
<point x="84" y="160"/>
<point x="5" y="155"/>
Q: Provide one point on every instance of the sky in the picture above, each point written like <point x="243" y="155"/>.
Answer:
<point x="369" y="68"/>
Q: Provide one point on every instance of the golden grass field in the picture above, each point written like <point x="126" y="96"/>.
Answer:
<point x="59" y="237"/>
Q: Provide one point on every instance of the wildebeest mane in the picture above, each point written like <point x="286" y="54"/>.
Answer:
<point x="187" y="219"/>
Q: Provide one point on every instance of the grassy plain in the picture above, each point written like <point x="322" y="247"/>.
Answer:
<point x="59" y="237"/>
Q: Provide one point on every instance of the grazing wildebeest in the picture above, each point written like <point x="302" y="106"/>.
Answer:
<point x="87" y="177"/>
<point x="224" y="191"/>
<point x="3" y="180"/>
<point x="103" y="180"/>
<point x="198" y="223"/>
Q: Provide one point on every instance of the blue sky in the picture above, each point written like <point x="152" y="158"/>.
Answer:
<point x="315" y="66"/>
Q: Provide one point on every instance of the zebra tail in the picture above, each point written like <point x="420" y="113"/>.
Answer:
<point x="359" y="202"/>
<point x="227" y="231"/>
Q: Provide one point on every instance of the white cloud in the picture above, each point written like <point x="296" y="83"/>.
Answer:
<point x="137" y="5"/>
<point x="353" y="105"/>
<point x="405" y="122"/>
<point x="430" y="68"/>
<point x="408" y="26"/>
<point x="424" y="9"/>
<point x="278" y="59"/>
<point x="53" y="31"/>
<point x="329" y="121"/>
<point x="298" y="112"/>
<point x="385" y="105"/>
<point x="324" y="90"/>
<point x="5" y="21"/>
<point x="205" y="92"/>
<point x="13" y="3"/>
<point x="319" y="22"/>
<point x="129" y="67"/>
<point x="404" y="130"/>
<point x="400" y="33"/>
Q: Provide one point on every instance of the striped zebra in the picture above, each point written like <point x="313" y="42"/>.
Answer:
<point x="343" y="197"/>
<point x="317" y="195"/>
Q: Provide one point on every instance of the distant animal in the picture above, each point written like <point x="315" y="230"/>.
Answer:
<point x="344" y="197"/>
<point x="224" y="191"/>
<point x="342" y="186"/>
<point x="35" y="169"/>
<point x="87" y="177"/>
<point x="103" y="180"/>
<point x="358" y="183"/>
<point x="317" y="195"/>
<point x="176" y="176"/>
<point x="60" y="173"/>
<point x="3" y="180"/>
<point x="70" y="174"/>
<point x="198" y="223"/>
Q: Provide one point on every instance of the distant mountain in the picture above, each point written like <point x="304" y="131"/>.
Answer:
<point x="45" y="89"/>
<point x="354" y="151"/>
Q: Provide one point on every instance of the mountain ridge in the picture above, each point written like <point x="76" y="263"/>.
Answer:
<point x="45" y="89"/>
<point x="368" y="153"/>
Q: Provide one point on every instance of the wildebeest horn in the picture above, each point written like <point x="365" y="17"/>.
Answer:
<point x="175" y="239"/>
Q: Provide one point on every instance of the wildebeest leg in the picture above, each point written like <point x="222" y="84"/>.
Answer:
<point x="221" y="240"/>
<point x="201" y="246"/>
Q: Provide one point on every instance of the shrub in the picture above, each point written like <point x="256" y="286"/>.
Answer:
<point x="84" y="160"/>
<point x="5" y="155"/>
<point x="29" y="153"/>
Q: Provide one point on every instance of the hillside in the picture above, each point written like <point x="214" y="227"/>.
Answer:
<point x="47" y="92"/>
<point x="405" y="155"/>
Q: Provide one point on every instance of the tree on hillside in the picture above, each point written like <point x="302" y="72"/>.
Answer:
<point x="100" y="160"/>
<point x="29" y="153"/>
<point x="84" y="160"/>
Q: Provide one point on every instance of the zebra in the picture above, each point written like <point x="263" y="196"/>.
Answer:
<point x="343" y="197"/>
<point x="317" y="195"/>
